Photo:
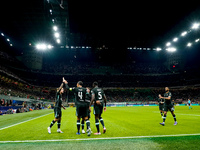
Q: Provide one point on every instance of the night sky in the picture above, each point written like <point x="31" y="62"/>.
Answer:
<point x="146" y="21"/>
<point x="126" y="23"/>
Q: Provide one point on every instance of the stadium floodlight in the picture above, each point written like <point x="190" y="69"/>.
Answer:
<point x="168" y="44"/>
<point x="197" y="40"/>
<point x="195" y="26"/>
<point x="184" y="33"/>
<point x="55" y="28"/>
<point x="189" y="44"/>
<point x="158" y="49"/>
<point x="49" y="46"/>
<point x="58" y="41"/>
<point x="8" y="40"/>
<point x="175" y="39"/>
<point x="57" y="35"/>
<point x="43" y="46"/>
<point x="2" y="34"/>
<point x="171" y="49"/>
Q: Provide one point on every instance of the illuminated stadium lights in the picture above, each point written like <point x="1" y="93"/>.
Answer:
<point x="168" y="44"/>
<point x="184" y="33"/>
<point x="43" y="46"/>
<point x="195" y="26"/>
<point x="171" y="49"/>
<point x="158" y="49"/>
<point x="57" y="35"/>
<point x="6" y="38"/>
<point x="189" y="44"/>
<point x="55" y="28"/>
<point x="175" y="39"/>
<point x="58" y="41"/>
<point x="50" y="11"/>
<point x="197" y="40"/>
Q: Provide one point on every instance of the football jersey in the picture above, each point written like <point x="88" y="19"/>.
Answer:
<point x="80" y="95"/>
<point x="88" y="98"/>
<point x="99" y="93"/>
<point x="161" y="101"/>
<point x="58" y="100"/>
<point x="167" y="95"/>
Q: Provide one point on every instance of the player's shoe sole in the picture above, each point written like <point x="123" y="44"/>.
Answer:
<point x="59" y="131"/>
<point x="49" y="130"/>
<point x="162" y="124"/>
<point x="98" y="133"/>
<point x="104" y="130"/>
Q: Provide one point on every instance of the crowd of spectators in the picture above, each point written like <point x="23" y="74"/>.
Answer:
<point x="95" y="67"/>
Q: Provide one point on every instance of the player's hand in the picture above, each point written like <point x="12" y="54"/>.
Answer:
<point x="104" y="108"/>
<point x="65" y="81"/>
<point x="159" y="96"/>
<point x="98" y="102"/>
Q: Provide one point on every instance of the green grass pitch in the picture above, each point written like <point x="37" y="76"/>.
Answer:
<point x="127" y="128"/>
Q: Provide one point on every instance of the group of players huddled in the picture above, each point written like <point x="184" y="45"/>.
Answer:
<point x="84" y="98"/>
<point x="165" y="104"/>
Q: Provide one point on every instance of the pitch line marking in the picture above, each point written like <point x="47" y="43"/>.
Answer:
<point x="108" y="138"/>
<point x="188" y="114"/>
<point x="179" y="114"/>
<point x="24" y="121"/>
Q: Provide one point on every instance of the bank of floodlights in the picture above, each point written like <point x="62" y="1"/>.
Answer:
<point x="168" y="45"/>
<point x="43" y="46"/>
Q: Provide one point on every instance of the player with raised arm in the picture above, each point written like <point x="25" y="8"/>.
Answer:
<point x="99" y="99"/>
<point x="57" y="108"/>
<point x="168" y="106"/>
<point x="81" y="106"/>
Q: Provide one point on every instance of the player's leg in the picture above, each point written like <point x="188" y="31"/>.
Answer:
<point x="59" y="125"/>
<point x="53" y="121"/>
<point x="97" y="124"/>
<point x="102" y="121"/>
<point x="161" y="109"/>
<point x="88" y="126"/>
<point x="96" y="113"/>
<point x="50" y="126"/>
<point x="161" y="112"/>
<point x="164" y="116"/>
<point x="82" y="125"/>
<point x="78" y="124"/>
<point x="174" y="116"/>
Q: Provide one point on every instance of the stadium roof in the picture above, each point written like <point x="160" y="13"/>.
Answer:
<point x="93" y="23"/>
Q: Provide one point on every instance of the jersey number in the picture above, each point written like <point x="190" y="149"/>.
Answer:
<point x="80" y="95"/>
<point x="100" y="95"/>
